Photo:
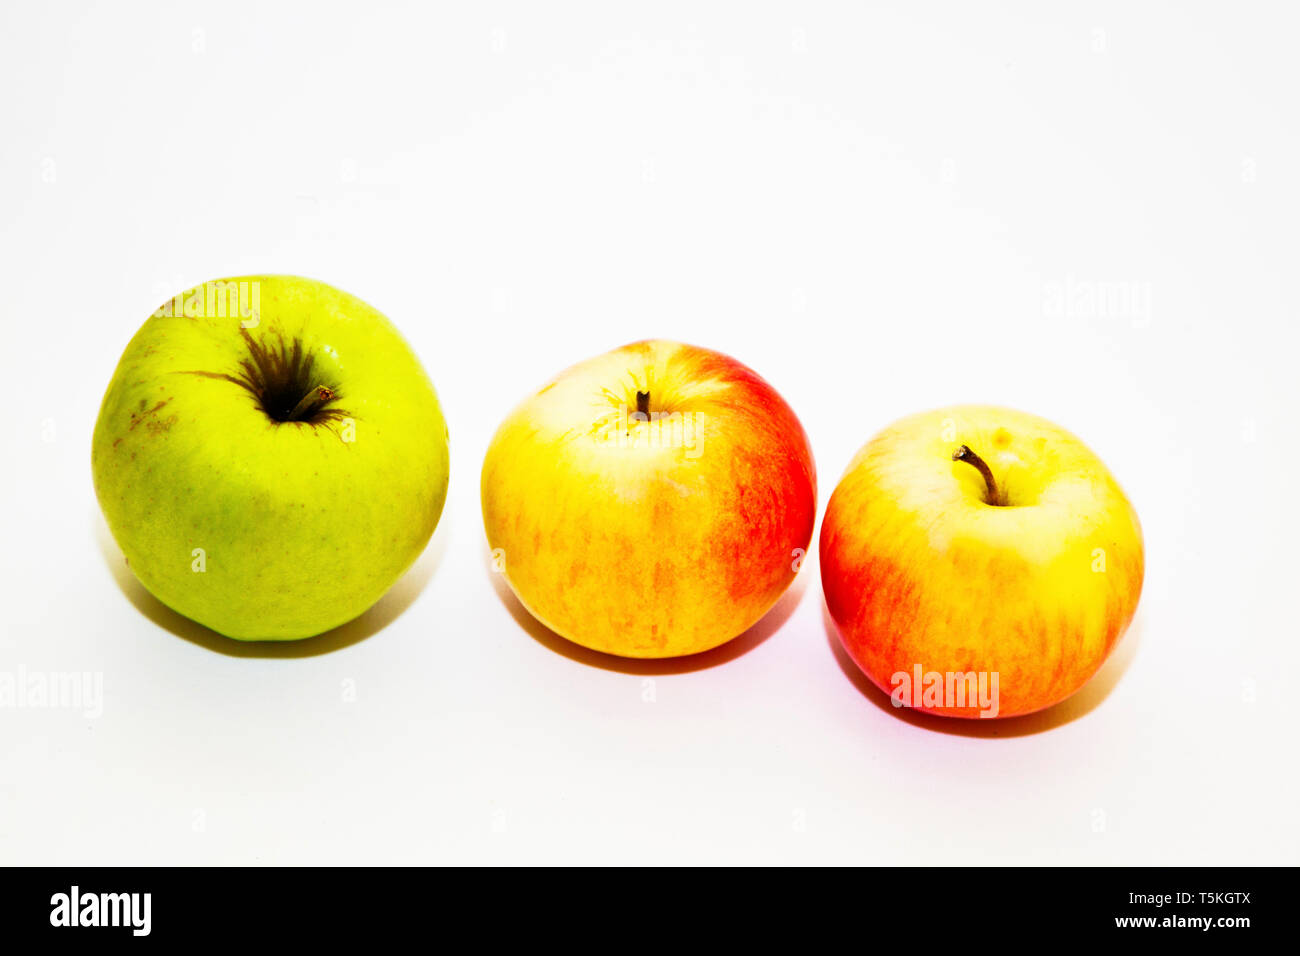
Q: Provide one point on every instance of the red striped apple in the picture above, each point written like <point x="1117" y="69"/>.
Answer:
<point x="976" y="548"/>
<point x="654" y="501"/>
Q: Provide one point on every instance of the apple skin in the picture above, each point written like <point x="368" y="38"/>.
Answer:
<point x="646" y="546"/>
<point x="303" y="525"/>
<point x="918" y="569"/>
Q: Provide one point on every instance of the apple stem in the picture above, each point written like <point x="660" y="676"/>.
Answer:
<point x="963" y="453"/>
<point x="643" y="404"/>
<point x="317" y="397"/>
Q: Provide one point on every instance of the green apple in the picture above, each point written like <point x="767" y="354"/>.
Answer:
<point x="270" y="456"/>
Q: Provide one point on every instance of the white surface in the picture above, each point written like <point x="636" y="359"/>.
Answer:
<point x="879" y="211"/>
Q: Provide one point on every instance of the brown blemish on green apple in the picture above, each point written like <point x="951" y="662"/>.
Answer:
<point x="158" y="426"/>
<point x="149" y="414"/>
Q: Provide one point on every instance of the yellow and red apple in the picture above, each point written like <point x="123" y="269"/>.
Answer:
<point x="980" y="541"/>
<point x="654" y="501"/>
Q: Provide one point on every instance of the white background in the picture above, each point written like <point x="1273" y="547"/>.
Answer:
<point x="1089" y="216"/>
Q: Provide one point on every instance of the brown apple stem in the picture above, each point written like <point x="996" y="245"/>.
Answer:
<point x="963" y="453"/>
<point x="643" y="404"/>
<point x="317" y="397"/>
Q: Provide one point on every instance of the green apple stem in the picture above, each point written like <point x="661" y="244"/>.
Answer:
<point x="643" y="404"/>
<point x="963" y="453"/>
<point x="313" y="400"/>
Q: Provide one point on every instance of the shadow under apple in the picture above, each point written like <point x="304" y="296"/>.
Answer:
<point x="1083" y="701"/>
<point x="742" y="644"/>
<point x="386" y="610"/>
